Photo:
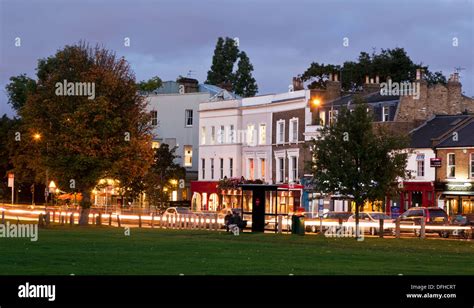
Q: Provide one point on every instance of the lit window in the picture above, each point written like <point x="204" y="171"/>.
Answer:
<point x="322" y="117"/>
<point x="332" y="116"/>
<point x="385" y="113"/>
<point x="262" y="134"/>
<point x="155" y="144"/>
<point x="262" y="168"/>
<point x="188" y="155"/>
<point x="251" y="169"/>
<point x="188" y="117"/>
<point x="451" y="165"/>
<point x="154" y="117"/>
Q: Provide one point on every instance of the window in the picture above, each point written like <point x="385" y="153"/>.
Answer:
<point x="154" y="117"/>
<point x="262" y="168"/>
<point x="231" y="134"/>
<point x="281" y="131"/>
<point x="203" y="135"/>
<point x="451" y="165"/>
<point x="221" y="167"/>
<point x="155" y="144"/>
<point x="420" y="164"/>
<point x="250" y="134"/>
<point x="385" y="113"/>
<point x="472" y="165"/>
<point x="322" y="118"/>
<point x="281" y="169"/>
<point x="203" y="168"/>
<point x="188" y="155"/>
<point x="420" y="168"/>
<point x="251" y="169"/>
<point x="220" y="134"/>
<point x="293" y="169"/>
<point x="293" y="130"/>
<point x="332" y="116"/>
<point x="213" y="134"/>
<point x="231" y="167"/>
<point x="212" y="168"/>
<point x="262" y="134"/>
<point x="188" y="117"/>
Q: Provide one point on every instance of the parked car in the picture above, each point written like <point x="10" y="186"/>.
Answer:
<point x="372" y="217"/>
<point x="173" y="211"/>
<point x="433" y="216"/>
<point x="328" y="217"/>
<point x="464" y="221"/>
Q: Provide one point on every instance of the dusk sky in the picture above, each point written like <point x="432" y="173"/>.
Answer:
<point x="171" y="38"/>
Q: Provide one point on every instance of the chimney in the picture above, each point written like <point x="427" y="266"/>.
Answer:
<point x="371" y="85"/>
<point x="297" y="84"/>
<point x="333" y="88"/>
<point x="190" y="85"/>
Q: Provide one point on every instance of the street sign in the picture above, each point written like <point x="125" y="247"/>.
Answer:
<point x="11" y="179"/>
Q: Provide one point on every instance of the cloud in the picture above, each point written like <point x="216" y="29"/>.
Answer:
<point x="169" y="38"/>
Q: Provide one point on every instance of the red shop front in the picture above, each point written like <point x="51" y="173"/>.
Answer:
<point x="205" y="196"/>
<point x="413" y="194"/>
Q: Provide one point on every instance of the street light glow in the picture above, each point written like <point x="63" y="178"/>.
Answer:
<point x="316" y="102"/>
<point x="37" y="136"/>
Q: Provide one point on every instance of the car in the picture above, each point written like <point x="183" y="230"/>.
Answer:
<point x="373" y="217"/>
<point x="433" y="216"/>
<point x="464" y="221"/>
<point x="179" y="210"/>
<point x="331" y="216"/>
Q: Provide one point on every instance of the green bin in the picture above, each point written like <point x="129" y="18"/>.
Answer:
<point x="297" y="224"/>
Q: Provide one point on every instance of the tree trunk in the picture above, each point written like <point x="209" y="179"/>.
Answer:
<point x="85" y="208"/>
<point x="357" y="231"/>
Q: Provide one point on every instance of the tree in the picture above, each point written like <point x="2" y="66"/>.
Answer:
<point x="82" y="139"/>
<point x="244" y="83"/>
<point x="18" y="90"/>
<point x="353" y="159"/>
<point x="150" y="84"/>
<point x="163" y="176"/>
<point x="6" y="129"/>
<point x="389" y="62"/>
<point x="226" y="54"/>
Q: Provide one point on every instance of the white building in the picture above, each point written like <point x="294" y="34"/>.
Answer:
<point x="174" y="116"/>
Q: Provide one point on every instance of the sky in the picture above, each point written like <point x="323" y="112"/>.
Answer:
<point x="282" y="38"/>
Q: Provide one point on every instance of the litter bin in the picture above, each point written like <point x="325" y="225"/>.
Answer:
<point x="297" y="224"/>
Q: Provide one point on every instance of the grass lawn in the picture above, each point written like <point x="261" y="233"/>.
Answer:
<point x="103" y="250"/>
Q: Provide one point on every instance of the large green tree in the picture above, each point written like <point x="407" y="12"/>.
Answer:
<point x="150" y="84"/>
<point x="354" y="159"/>
<point x="389" y="62"/>
<point x="226" y="54"/>
<point x="163" y="176"/>
<point x="18" y="90"/>
<point x="244" y="83"/>
<point x="79" y="139"/>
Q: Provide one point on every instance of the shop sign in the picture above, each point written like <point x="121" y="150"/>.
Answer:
<point x="435" y="162"/>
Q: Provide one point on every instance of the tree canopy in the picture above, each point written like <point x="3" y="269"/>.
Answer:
<point x="80" y="140"/>
<point x="389" y="62"/>
<point x="354" y="159"/>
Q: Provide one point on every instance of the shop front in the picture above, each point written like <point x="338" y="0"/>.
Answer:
<point x="412" y="194"/>
<point x="205" y="196"/>
<point x="456" y="198"/>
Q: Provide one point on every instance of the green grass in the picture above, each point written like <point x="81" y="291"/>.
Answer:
<point x="102" y="250"/>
